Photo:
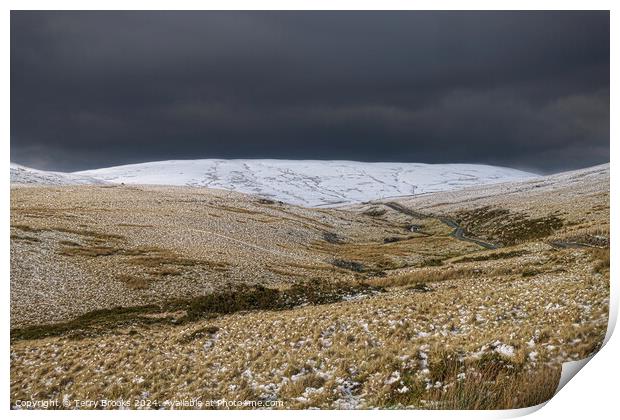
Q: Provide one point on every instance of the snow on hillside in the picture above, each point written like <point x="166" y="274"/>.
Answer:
<point x="572" y="186"/>
<point x="307" y="182"/>
<point x="24" y="175"/>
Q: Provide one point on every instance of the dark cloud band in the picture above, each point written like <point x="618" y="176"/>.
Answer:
<point x="522" y="89"/>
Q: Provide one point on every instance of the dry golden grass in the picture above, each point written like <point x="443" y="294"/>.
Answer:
<point x="134" y="282"/>
<point x="27" y="238"/>
<point x="88" y="251"/>
<point x="476" y="340"/>
<point x="490" y="329"/>
<point x="491" y="388"/>
<point x="423" y="276"/>
<point x="165" y="271"/>
<point x="418" y="251"/>
<point x="602" y="259"/>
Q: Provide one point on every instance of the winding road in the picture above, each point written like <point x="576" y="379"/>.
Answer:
<point x="457" y="233"/>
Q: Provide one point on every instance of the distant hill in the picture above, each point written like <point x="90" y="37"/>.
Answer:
<point x="310" y="182"/>
<point x="24" y="175"/>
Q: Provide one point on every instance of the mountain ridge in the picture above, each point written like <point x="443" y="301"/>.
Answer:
<point x="310" y="182"/>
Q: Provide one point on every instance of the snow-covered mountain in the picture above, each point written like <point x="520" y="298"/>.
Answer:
<point x="24" y="175"/>
<point x="310" y="182"/>
<point x="575" y="187"/>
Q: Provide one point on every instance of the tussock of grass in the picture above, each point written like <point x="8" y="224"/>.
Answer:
<point x="69" y="243"/>
<point x="431" y="262"/>
<point x="88" y="251"/>
<point x="375" y="212"/>
<point x="492" y="256"/>
<point x="239" y="210"/>
<point x="488" y="382"/>
<point x="422" y="276"/>
<point x="392" y="239"/>
<point x="134" y="282"/>
<point x="601" y="258"/>
<point x="141" y="250"/>
<point x="530" y="272"/>
<point x="91" y="234"/>
<point x="25" y="238"/>
<point x="165" y="271"/>
<point x="26" y="228"/>
<point x="163" y="258"/>
<point x="356" y="266"/>
<point x="333" y="238"/>
<point x="198" y="334"/>
<point x="269" y="202"/>
<point x="309" y="380"/>
<point x="491" y="388"/>
<point x="422" y="287"/>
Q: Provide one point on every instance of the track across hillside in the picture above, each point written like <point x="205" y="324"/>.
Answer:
<point x="457" y="233"/>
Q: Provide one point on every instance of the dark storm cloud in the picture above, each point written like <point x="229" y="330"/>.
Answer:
<point x="92" y="89"/>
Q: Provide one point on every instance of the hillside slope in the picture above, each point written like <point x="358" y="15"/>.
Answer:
<point x="29" y="176"/>
<point x="572" y="206"/>
<point x="159" y="293"/>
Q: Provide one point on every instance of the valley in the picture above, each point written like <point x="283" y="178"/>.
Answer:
<point x="467" y="298"/>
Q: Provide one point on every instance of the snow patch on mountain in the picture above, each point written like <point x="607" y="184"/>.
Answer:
<point x="310" y="182"/>
<point x="24" y="175"/>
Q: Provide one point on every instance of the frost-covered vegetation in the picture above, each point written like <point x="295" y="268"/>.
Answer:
<point x="122" y="292"/>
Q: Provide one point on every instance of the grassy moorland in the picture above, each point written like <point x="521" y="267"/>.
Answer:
<point x="165" y="294"/>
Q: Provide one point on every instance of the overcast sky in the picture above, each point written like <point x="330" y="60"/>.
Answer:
<point x="526" y="90"/>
